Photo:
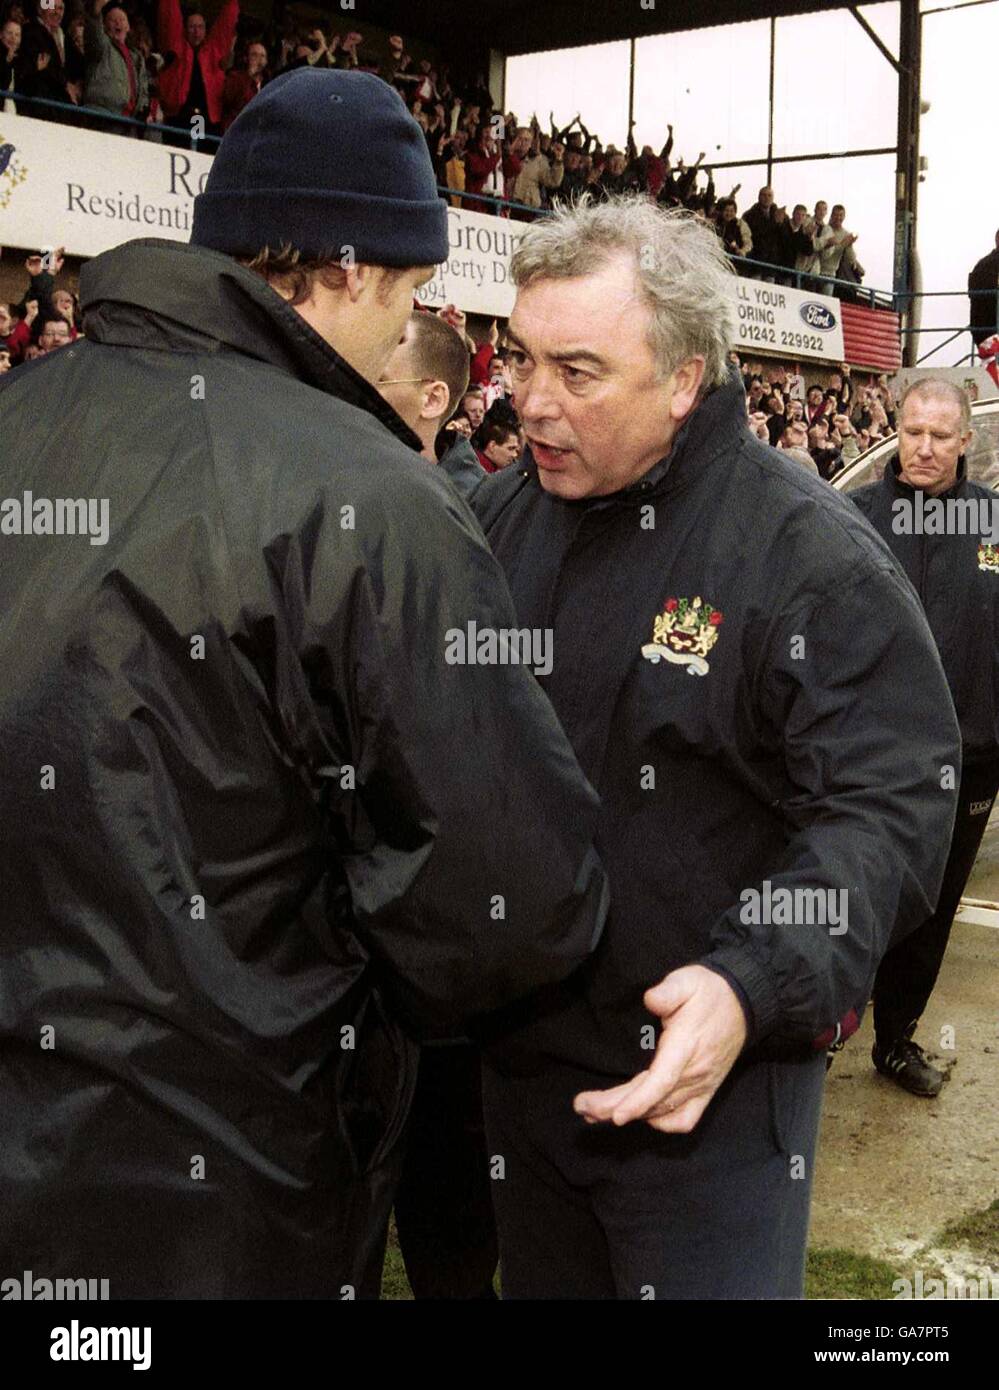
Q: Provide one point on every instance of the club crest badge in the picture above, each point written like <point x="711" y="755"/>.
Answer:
<point x="684" y="633"/>
<point x="988" y="558"/>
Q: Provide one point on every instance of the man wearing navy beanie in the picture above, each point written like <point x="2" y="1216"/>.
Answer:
<point x="248" y="816"/>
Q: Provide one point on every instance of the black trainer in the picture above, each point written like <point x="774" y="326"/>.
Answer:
<point x="905" y="1063"/>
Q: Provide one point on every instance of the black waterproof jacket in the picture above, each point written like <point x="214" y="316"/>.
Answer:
<point x="797" y="736"/>
<point x="984" y="275"/>
<point x="462" y="466"/>
<point x="957" y="579"/>
<point x="249" y="814"/>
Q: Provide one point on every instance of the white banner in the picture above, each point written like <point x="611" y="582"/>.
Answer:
<point x="787" y="323"/>
<point x="89" y="191"/>
<point x="476" y="275"/>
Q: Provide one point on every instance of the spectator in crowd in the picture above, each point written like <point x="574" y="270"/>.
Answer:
<point x="452" y="150"/>
<point x="116" y="79"/>
<point x="513" y="152"/>
<point x="243" y="83"/>
<point x="961" y="599"/>
<point x="574" y="181"/>
<point x="540" y="173"/>
<point x="736" y="236"/>
<point x="983" y="291"/>
<point x="837" y="258"/>
<point x="793" y="436"/>
<point x="761" y="223"/>
<point x="823" y="450"/>
<point x="22" y="334"/>
<point x="497" y="445"/>
<point x="815" y="407"/>
<point x="482" y="170"/>
<point x="65" y="305"/>
<point x="841" y="385"/>
<point x="6" y="326"/>
<point x="76" y="58"/>
<point x="774" y="407"/>
<point x="817" y="233"/>
<point x="5" y="362"/>
<point x="654" y="168"/>
<point x="394" y="62"/>
<point x="847" y="437"/>
<point x="473" y="403"/>
<point x="499" y="385"/>
<point x="45" y="64"/>
<point x="794" y="443"/>
<point x="193" y="77"/>
<point x="612" y="180"/>
<point x="54" y="333"/>
<point x="10" y="44"/>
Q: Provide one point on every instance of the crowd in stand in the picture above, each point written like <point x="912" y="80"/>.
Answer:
<point x="147" y="60"/>
<point x="823" y="427"/>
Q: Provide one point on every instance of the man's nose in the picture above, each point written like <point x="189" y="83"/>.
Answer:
<point x="537" y="399"/>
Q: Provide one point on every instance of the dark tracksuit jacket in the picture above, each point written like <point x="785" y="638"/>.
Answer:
<point x="957" y="579"/>
<point x="958" y="586"/>
<point x="267" y="833"/>
<point x="777" y="754"/>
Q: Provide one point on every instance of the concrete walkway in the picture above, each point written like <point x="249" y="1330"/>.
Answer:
<point x="893" y="1169"/>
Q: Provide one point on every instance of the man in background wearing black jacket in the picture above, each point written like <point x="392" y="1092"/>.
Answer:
<point x="955" y="571"/>
<point x="730" y="647"/>
<point x="983" y="279"/>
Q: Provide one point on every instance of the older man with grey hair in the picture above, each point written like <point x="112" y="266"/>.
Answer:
<point x="944" y="531"/>
<point x="729" y="644"/>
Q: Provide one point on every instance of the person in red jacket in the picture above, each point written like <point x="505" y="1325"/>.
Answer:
<point x="481" y="176"/>
<point x="193" y="77"/>
<point x="243" y="84"/>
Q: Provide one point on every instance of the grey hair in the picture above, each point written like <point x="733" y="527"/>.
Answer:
<point x="683" y="272"/>
<point x="939" y="386"/>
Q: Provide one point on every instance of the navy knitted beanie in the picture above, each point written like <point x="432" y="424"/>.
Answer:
<point x="324" y="160"/>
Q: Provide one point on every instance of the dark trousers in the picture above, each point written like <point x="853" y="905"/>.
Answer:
<point x="909" y="971"/>
<point x="598" y="1212"/>
<point x="443" y="1206"/>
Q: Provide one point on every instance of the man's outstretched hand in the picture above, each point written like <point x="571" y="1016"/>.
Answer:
<point x="704" y="1030"/>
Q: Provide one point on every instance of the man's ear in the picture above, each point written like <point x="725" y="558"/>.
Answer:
<point x="358" y="279"/>
<point x="685" y="385"/>
<point x="435" y="400"/>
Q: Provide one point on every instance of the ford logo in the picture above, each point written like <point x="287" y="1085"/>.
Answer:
<point x="818" y="316"/>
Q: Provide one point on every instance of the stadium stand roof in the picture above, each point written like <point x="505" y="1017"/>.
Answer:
<point x="531" y="26"/>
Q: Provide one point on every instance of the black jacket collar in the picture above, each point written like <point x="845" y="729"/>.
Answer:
<point x="894" y="483"/>
<point x="153" y="293"/>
